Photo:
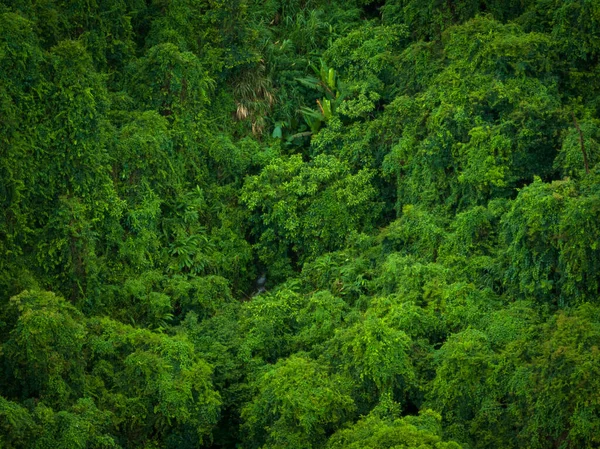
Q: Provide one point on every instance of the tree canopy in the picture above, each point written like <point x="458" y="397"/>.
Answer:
<point x="299" y="224"/>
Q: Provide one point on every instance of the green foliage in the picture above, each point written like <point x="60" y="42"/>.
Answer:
<point x="375" y="353"/>
<point x="297" y="403"/>
<point x="21" y="84"/>
<point x="573" y="24"/>
<point x="416" y="232"/>
<point x="144" y="381"/>
<point x="304" y="209"/>
<point x="464" y="379"/>
<point x="155" y="384"/>
<point x="366" y="59"/>
<point x="481" y="128"/>
<point x="83" y="426"/>
<point x="551" y="234"/>
<point x="269" y="324"/>
<point x="170" y="81"/>
<point x="327" y="84"/>
<point x="42" y="354"/>
<point x="299" y="223"/>
<point x="319" y="319"/>
<point x="427" y="20"/>
<point x="377" y="430"/>
<point x="573" y="155"/>
<point x="562" y="382"/>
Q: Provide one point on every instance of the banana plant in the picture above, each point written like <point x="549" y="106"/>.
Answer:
<point x="326" y="82"/>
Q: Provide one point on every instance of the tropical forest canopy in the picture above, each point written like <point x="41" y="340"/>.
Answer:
<point x="304" y="224"/>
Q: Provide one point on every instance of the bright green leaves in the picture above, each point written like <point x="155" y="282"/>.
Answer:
<point x="343" y="273"/>
<point x="268" y="325"/>
<point x="160" y="378"/>
<point x="151" y="381"/>
<point x="303" y="209"/>
<point x="319" y="319"/>
<point x="328" y="85"/>
<point x="297" y="404"/>
<point x="563" y="379"/>
<point x="551" y="232"/>
<point x="501" y="50"/>
<point x="519" y="383"/>
<point x="43" y="351"/>
<point x="378" y="431"/>
<point x="70" y="187"/>
<point x="486" y="154"/>
<point x="190" y="253"/>
<point x="143" y="381"/>
<point x="416" y="232"/>
<point x="366" y="59"/>
<point x="478" y="375"/>
<point x="533" y="223"/>
<point x="417" y="249"/>
<point x="16" y="424"/>
<point x="373" y="351"/>
<point x="486" y="122"/>
<point x="75" y="136"/>
<point x="461" y="382"/>
<point x="82" y="426"/>
<point x="473" y="234"/>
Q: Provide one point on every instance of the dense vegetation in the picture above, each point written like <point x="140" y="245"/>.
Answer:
<point x="414" y="183"/>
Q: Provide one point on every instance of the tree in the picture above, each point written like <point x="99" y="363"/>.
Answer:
<point x="379" y="430"/>
<point x="304" y="209"/>
<point x="42" y="350"/>
<point x="297" y="404"/>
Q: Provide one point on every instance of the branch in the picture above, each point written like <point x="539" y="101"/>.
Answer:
<point x="585" y="159"/>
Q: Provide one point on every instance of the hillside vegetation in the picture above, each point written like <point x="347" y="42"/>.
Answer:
<point x="300" y="224"/>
